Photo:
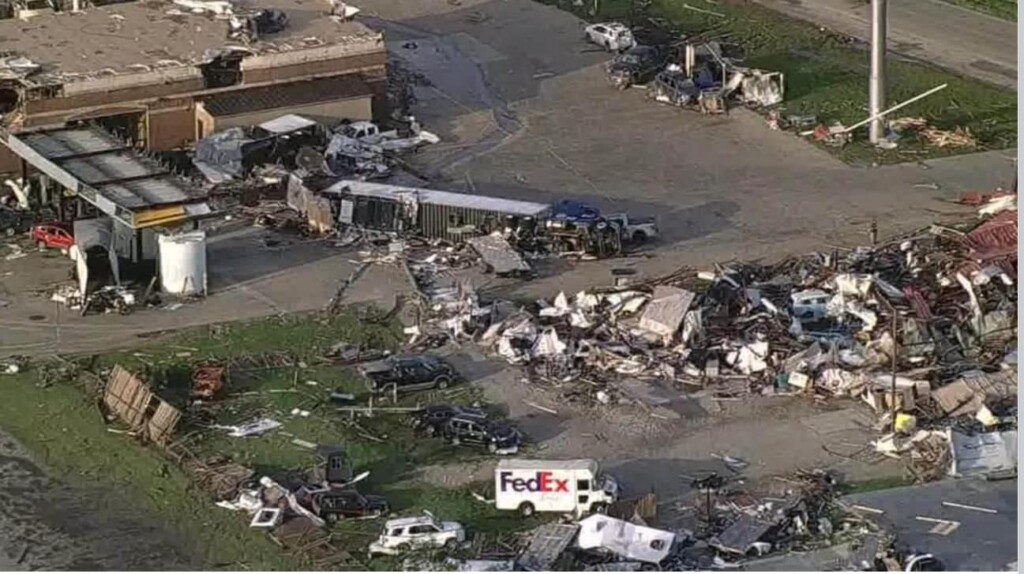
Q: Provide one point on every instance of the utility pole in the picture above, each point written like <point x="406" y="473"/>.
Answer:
<point x="876" y="95"/>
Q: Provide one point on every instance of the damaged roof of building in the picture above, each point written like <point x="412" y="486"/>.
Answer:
<point x="285" y="96"/>
<point x="153" y="34"/>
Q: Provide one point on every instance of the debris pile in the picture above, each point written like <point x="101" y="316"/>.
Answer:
<point x="960" y="137"/>
<point x="921" y="328"/>
<point x="719" y="525"/>
<point x="704" y="76"/>
<point x="295" y="144"/>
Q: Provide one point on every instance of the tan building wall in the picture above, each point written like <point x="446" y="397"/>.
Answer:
<point x="10" y="163"/>
<point x="172" y="129"/>
<point x="354" y="109"/>
<point x="361" y="63"/>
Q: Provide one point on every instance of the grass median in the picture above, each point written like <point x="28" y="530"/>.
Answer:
<point x="1005" y="9"/>
<point x="276" y="361"/>
<point x="826" y="75"/>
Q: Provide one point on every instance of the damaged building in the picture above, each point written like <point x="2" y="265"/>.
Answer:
<point x="162" y="75"/>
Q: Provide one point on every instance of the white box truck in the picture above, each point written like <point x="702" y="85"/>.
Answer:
<point x="575" y="486"/>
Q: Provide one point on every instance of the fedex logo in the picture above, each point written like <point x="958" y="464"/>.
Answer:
<point x="544" y="482"/>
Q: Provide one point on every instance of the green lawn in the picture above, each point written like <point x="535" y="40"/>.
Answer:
<point x="827" y="75"/>
<point x="59" y="421"/>
<point x="1005" y="9"/>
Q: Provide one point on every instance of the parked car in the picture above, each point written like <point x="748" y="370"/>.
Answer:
<point x="13" y="222"/>
<point x="638" y="65"/>
<point x="615" y="37"/>
<point x="498" y="436"/>
<point x="53" y="235"/>
<point x="405" y="534"/>
<point x="334" y="504"/>
<point x="410" y="373"/>
<point x="432" y="420"/>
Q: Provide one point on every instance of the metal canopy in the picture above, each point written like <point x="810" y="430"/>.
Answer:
<point x="105" y="172"/>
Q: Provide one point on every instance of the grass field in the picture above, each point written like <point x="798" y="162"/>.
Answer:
<point x="827" y="75"/>
<point x="60" y="422"/>
<point x="1005" y="9"/>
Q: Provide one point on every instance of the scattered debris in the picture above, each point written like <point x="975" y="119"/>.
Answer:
<point x="255" y="427"/>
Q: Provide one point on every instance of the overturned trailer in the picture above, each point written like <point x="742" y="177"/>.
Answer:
<point x="427" y="212"/>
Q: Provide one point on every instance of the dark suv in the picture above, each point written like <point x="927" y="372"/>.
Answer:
<point x="408" y="373"/>
<point x="432" y="420"/>
<point x="334" y="504"/>
<point x="13" y="222"/>
<point x="498" y="436"/>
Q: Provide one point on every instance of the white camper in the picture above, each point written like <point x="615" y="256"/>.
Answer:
<point x="575" y="486"/>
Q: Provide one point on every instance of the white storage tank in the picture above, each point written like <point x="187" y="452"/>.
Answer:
<point x="183" y="263"/>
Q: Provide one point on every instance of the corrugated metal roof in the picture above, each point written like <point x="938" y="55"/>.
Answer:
<point x="287" y="96"/>
<point x="288" y="123"/>
<point x="88" y="158"/>
<point x="995" y="234"/>
<point x="447" y="198"/>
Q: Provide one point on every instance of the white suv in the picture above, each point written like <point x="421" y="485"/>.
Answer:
<point x="614" y="36"/>
<point x="404" y="534"/>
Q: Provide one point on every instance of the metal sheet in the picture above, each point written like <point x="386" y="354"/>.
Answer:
<point x="983" y="454"/>
<point x="625" y="538"/>
<point x="499" y="254"/>
<point x="665" y="313"/>
<point x="546" y="544"/>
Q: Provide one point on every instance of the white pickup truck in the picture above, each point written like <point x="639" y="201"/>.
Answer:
<point x="634" y="229"/>
<point x="369" y="134"/>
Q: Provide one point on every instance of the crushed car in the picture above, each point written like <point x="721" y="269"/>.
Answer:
<point x="638" y="65"/>
<point x="13" y="222"/>
<point x="403" y="535"/>
<point x="408" y="373"/>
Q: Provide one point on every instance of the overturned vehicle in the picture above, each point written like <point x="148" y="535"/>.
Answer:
<point x="638" y="65"/>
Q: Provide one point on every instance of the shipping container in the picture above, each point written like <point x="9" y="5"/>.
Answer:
<point x="426" y="212"/>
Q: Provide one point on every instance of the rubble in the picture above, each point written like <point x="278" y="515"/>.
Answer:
<point x="918" y="328"/>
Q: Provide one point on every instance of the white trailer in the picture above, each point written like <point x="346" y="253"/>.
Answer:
<point x="575" y="486"/>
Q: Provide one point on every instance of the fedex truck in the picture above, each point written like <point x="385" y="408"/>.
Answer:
<point x="575" y="486"/>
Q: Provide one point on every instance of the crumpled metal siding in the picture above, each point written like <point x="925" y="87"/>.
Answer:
<point x="995" y="235"/>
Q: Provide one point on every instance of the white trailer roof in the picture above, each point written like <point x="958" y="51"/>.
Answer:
<point x="525" y="464"/>
<point x="432" y="196"/>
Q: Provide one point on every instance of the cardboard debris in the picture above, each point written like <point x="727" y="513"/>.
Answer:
<point x="967" y="394"/>
<point x="666" y="310"/>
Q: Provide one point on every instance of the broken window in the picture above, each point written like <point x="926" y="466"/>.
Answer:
<point x="9" y="100"/>
<point x="223" y="70"/>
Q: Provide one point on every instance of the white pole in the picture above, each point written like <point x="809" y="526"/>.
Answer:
<point x="876" y="87"/>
